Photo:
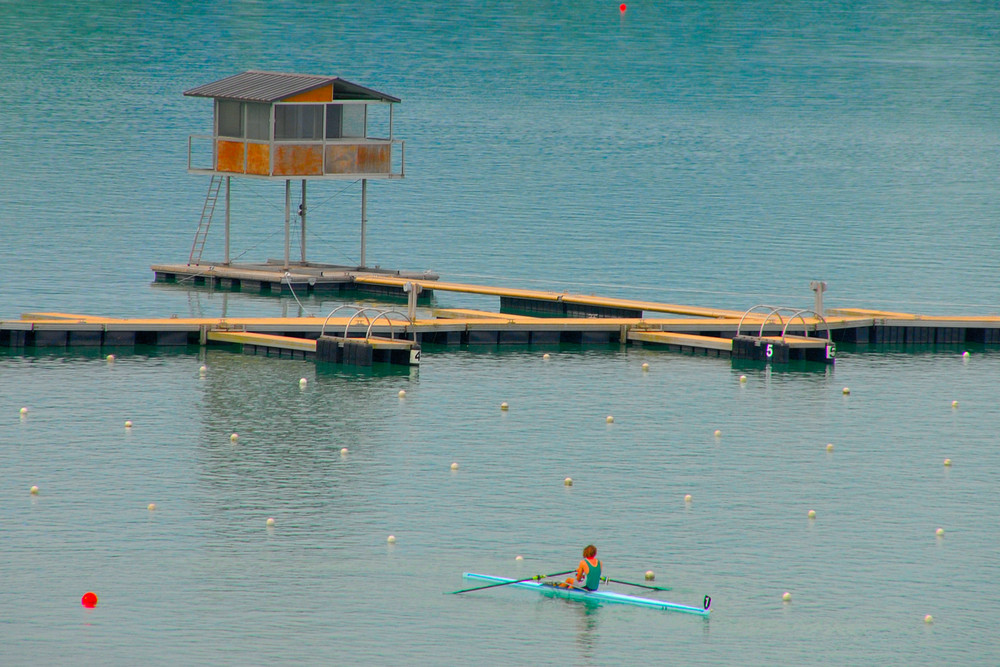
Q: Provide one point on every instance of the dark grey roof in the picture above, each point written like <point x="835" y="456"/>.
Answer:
<point x="255" y="86"/>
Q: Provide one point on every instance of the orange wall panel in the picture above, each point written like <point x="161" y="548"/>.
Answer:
<point x="357" y="159"/>
<point x="324" y="94"/>
<point x="229" y="156"/>
<point x="259" y="159"/>
<point x="298" y="160"/>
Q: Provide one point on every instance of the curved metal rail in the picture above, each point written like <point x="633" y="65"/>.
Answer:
<point x="792" y="314"/>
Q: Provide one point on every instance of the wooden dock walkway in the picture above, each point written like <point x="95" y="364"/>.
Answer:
<point x="538" y="317"/>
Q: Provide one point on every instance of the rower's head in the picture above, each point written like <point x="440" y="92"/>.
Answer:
<point x="589" y="551"/>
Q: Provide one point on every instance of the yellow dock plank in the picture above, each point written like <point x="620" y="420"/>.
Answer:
<point x="244" y="338"/>
<point x="542" y="295"/>
<point x="688" y="340"/>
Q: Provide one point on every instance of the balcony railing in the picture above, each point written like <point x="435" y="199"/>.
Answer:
<point x="298" y="158"/>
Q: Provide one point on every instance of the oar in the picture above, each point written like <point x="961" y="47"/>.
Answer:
<point x="516" y="581"/>
<point x="629" y="583"/>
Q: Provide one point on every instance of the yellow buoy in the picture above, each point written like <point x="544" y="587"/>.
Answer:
<point x="965" y="355"/>
<point x="846" y="390"/>
<point x="128" y="424"/>
<point x="303" y="382"/>
<point x="402" y="393"/>
<point x="743" y="378"/>
<point x="24" y="411"/>
<point x="928" y="619"/>
<point x="519" y="557"/>
<point x="391" y="539"/>
<point x="812" y="514"/>
<point x="645" y="366"/>
<point x="568" y="481"/>
<point x="718" y="433"/>
<point x="233" y="437"/>
<point x="954" y="404"/>
<point x="34" y="490"/>
<point x="610" y="419"/>
<point x="343" y="451"/>
<point x="151" y="506"/>
<point x="269" y="523"/>
<point x="546" y="356"/>
<point x="110" y="357"/>
<point x="829" y="446"/>
<point x="939" y="532"/>
<point x="786" y="597"/>
<point x="454" y="466"/>
<point x="947" y="462"/>
<point x="687" y="498"/>
<point x="203" y="370"/>
<point x="650" y="575"/>
<point x="504" y="406"/>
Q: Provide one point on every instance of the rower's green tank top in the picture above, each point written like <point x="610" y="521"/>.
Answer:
<point x="593" y="575"/>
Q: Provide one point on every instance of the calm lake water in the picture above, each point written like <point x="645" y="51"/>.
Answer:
<point x="717" y="154"/>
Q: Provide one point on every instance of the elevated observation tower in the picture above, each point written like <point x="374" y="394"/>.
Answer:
<point x="280" y="126"/>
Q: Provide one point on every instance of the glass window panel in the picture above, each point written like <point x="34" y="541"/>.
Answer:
<point x="298" y="121"/>
<point x="230" y="118"/>
<point x="258" y="121"/>
<point x="353" y="124"/>
<point x="333" y="114"/>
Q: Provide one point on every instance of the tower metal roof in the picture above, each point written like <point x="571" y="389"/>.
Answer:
<point x="258" y="86"/>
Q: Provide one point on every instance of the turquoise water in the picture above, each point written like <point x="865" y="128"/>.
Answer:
<point x="707" y="153"/>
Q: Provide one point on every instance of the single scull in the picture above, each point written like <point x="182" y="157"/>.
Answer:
<point x="599" y="595"/>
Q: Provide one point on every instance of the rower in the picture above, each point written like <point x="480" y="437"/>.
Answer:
<point x="588" y="573"/>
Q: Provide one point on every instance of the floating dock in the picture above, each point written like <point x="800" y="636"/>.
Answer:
<point x="368" y="335"/>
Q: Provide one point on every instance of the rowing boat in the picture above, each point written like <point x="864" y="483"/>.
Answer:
<point x="597" y="596"/>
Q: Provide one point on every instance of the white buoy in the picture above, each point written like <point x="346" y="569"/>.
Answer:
<point x="812" y="514"/>
<point x="846" y="391"/>
<point x="303" y="382"/>
<point x="718" y="433"/>
<point x="343" y="451"/>
<point x="965" y="355"/>
<point x="687" y="498"/>
<point x="939" y="532"/>
<point x="269" y="523"/>
<point x="518" y="557"/>
<point x="650" y="575"/>
<point x="645" y="366"/>
<point x="743" y="378"/>
<point x="110" y="357"/>
<point x="947" y="463"/>
<point x="391" y="539"/>
<point x="402" y="393"/>
<point x="504" y="406"/>
<point x="546" y="356"/>
<point x="610" y="419"/>
<point x="928" y="619"/>
<point x="829" y="446"/>
<point x="151" y="507"/>
<point x="786" y="597"/>
<point x="954" y="404"/>
<point x="128" y="423"/>
<point x="24" y="411"/>
<point x="454" y="466"/>
<point x="568" y="481"/>
<point x="34" y="490"/>
<point x="233" y="437"/>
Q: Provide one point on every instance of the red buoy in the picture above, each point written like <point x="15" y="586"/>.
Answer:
<point x="622" y="7"/>
<point x="89" y="600"/>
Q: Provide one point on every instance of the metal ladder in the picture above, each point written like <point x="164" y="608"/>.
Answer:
<point x="211" y="197"/>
